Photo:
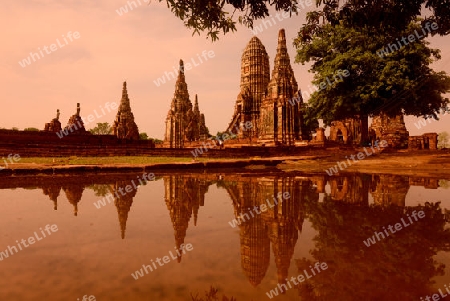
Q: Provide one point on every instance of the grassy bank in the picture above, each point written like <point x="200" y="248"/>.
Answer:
<point x="133" y="160"/>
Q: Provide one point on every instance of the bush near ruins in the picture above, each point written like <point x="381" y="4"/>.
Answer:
<point x="102" y="128"/>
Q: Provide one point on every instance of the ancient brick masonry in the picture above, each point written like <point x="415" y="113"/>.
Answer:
<point x="124" y="126"/>
<point x="391" y="129"/>
<point x="183" y="123"/>
<point x="75" y="124"/>
<point x="347" y="131"/>
<point x="255" y="76"/>
<point x="272" y="105"/>
<point x="281" y="117"/>
<point x="54" y="125"/>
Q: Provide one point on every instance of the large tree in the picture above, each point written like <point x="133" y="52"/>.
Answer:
<point x="349" y="35"/>
<point x="214" y="16"/>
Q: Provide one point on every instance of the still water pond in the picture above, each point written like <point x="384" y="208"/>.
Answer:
<point x="253" y="236"/>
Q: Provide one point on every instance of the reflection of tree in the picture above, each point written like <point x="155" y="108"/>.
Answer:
<point x="399" y="267"/>
<point x="211" y="295"/>
<point x="100" y="189"/>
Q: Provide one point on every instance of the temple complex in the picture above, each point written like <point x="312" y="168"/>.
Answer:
<point x="184" y="123"/>
<point x="268" y="111"/>
<point x="272" y="105"/>
<point x="124" y="126"/>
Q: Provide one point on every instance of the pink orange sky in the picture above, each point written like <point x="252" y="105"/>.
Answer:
<point x="138" y="46"/>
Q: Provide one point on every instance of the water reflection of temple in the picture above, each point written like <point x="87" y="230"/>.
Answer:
<point x="275" y="230"/>
<point x="278" y="226"/>
<point x="281" y="224"/>
<point x="123" y="202"/>
<point x="52" y="190"/>
<point x="183" y="196"/>
<point x="74" y="192"/>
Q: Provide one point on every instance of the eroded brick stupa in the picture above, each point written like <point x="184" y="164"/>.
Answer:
<point x="54" y="125"/>
<point x="184" y="123"/>
<point x="76" y="124"/>
<point x="255" y="76"/>
<point x="124" y="126"/>
<point x="281" y="116"/>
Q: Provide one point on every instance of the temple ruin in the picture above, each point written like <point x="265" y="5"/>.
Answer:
<point x="273" y="105"/>
<point x="347" y="131"/>
<point x="391" y="129"/>
<point x="281" y="120"/>
<point x="255" y="76"/>
<point x="184" y="123"/>
<point x="124" y="126"/>
<point x="76" y="123"/>
<point x="54" y="125"/>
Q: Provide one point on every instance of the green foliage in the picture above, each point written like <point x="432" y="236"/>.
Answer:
<point x="15" y="128"/>
<point x="442" y="140"/>
<point x="215" y="16"/>
<point x="349" y="37"/>
<point x="310" y="122"/>
<point x="143" y="136"/>
<point x="102" y="128"/>
<point x="31" y="129"/>
<point x="100" y="189"/>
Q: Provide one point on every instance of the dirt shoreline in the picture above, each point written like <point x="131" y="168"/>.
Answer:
<point x="421" y="163"/>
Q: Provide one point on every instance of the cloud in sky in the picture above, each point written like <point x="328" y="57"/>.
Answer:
<point x="138" y="47"/>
